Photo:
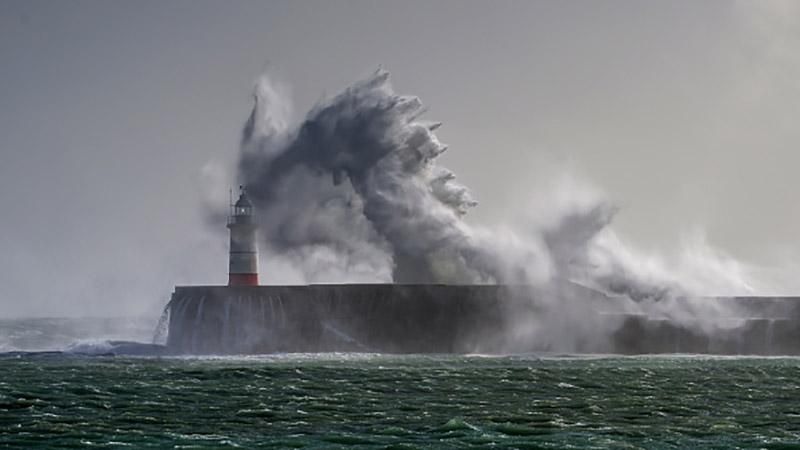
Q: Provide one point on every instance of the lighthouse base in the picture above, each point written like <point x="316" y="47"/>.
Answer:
<point x="243" y="279"/>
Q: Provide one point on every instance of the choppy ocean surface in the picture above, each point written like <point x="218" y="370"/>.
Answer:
<point x="69" y="399"/>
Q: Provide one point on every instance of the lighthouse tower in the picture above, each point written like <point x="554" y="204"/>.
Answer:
<point x="243" y="269"/>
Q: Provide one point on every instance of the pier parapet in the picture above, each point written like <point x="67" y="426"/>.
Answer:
<point x="490" y="319"/>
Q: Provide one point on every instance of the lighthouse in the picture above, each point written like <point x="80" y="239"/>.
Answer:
<point x="243" y="268"/>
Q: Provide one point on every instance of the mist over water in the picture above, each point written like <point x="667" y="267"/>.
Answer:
<point x="49" y="334"/>
<point x="354" y="193"/>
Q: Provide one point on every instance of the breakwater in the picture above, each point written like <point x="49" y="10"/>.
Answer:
<point x="397" y="318"/>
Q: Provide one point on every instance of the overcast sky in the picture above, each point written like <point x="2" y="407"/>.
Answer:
<point x="115" y="115"/>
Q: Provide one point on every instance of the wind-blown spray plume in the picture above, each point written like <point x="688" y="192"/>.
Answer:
<point x="358" y="181"/>
<point x="354" y="194"/>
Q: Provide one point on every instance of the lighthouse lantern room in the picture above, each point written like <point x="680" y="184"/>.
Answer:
<point x="243" y="268"/>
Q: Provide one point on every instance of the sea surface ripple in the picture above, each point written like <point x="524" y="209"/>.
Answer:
<point x="386" y="401"/>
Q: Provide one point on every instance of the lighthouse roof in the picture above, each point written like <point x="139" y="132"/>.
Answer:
<point x="243" y="201"/>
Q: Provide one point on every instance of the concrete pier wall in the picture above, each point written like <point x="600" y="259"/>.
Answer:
<point x="393" y="318"/>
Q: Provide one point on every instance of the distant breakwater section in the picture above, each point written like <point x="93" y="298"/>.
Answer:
<point x="489" y="319"/>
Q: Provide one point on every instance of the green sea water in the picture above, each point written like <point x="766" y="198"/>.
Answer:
<point x="383" y="401"/>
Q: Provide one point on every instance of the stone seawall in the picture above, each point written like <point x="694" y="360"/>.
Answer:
<point x="391" y="318"/>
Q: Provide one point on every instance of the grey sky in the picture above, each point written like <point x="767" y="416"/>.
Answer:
<point x="111" y="113"/>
